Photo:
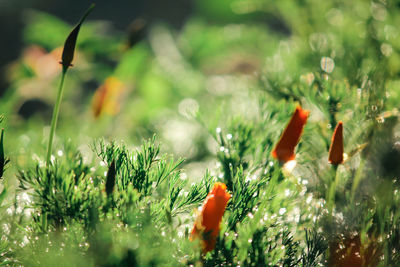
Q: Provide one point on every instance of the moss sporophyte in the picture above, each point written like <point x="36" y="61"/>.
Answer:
<point x="66" y="62"/>
<point x="70" y="43"/>
<point x="107" y="97"/>
<point x="3" y="161"/>
<point x="284" y="149"/>
<point x="206" y="226"/>
<point x="336" y="148"/>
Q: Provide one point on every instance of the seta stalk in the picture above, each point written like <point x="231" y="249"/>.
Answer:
<point x="67" y="57"/>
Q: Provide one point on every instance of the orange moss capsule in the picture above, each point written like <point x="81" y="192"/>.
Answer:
<point x="107" y="97"/>
<point x="336" y="149"/>
<point x="206" y="226"/>
<point x="284" y="149"/>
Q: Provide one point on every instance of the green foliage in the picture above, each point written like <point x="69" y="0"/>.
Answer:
<point x="240" y="69"/>
<point x="61" y="193"/>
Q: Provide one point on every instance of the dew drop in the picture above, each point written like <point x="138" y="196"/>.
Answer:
<point x="335" y="17"/>
<point x="282" y="211"/>
<point x="287" y="192"/>
<point x="378" y="11"/>
<point x="386" y="49"/>
<point x="318" y="41"/>
<point x="327" y="64"/>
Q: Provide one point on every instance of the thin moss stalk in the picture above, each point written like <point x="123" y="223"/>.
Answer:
<point x="332" y="189"/>
<point x="55" y="115"/>
<point x="67" y="58"/>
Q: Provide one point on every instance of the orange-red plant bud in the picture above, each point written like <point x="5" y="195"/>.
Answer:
<point x="107" y="97"/>
<point x="206" y="226"/>
<point x="284" y="150"/>
<point x="336" y="149"/>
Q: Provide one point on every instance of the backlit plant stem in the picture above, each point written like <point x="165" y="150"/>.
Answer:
<point x="357" y="179"/>
<point x="332" y="190"/>
<point x="55" y="116"/>
<point x="66" y="60"/>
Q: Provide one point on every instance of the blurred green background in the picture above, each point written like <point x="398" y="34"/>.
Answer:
<point x="163" y="60"/>
<point x="216" y="81"/>
<point x="173" y="67"/>
<point x="120" y="14"/>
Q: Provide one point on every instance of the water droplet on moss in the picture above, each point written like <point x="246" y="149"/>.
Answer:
<point x="327" y="64"/>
